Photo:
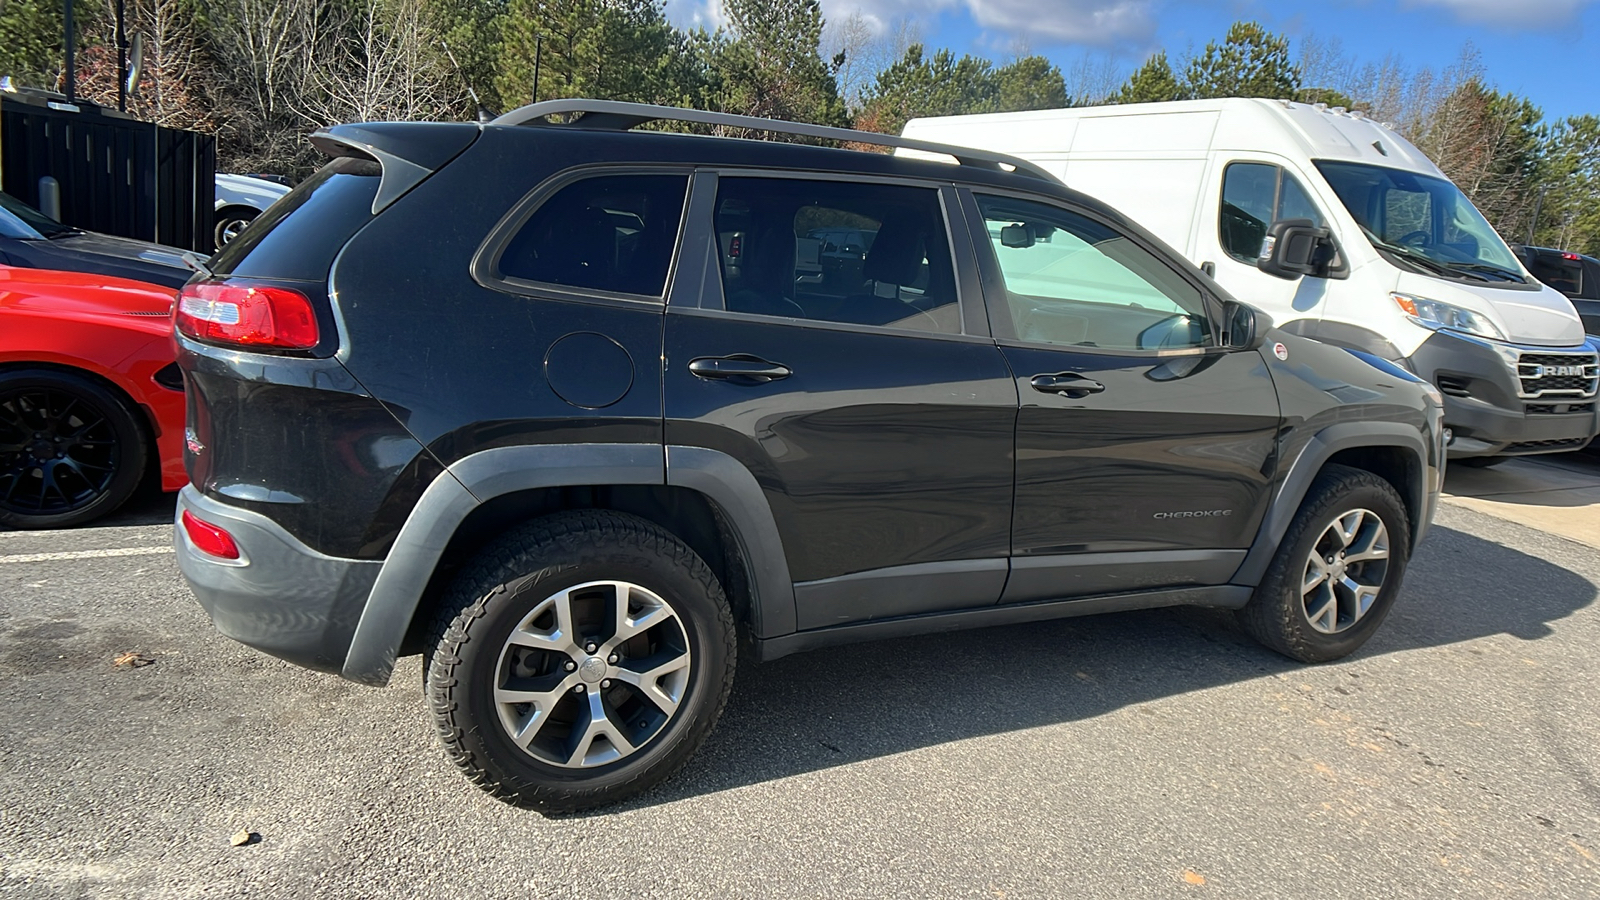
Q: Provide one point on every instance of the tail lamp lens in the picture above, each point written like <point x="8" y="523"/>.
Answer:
<point x="208" y="538"/>
<point x="246" y="315"/>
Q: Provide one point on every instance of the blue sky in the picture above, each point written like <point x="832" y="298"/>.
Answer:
<point x="1546" y="50"/>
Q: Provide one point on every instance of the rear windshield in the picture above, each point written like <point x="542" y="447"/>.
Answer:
<point x="299" y="236"/>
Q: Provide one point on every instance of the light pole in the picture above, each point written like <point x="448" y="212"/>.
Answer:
<point x="538" y="51"/>
<point x="72" y="47"/>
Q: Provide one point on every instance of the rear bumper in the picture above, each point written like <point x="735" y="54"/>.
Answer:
<point x="281" y="597"/>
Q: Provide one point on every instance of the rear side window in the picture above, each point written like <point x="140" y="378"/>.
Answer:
<point x="847" y="252"/>
<point x="1254" y="195"/>
<point x="1564" y="276"/>
<point x="609" y="233"/>
<point x="299" y="236"/>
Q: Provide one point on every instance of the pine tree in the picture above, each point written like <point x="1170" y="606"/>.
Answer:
<point x="1153" y="82"/>
<point x="768" y="63"/>
<point x="1250" y="62"/>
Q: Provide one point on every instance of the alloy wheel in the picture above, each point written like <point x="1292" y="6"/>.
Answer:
<point x="1345" y="571"/>
<point x="592" y="674"/>
<point x="58" y="451"/>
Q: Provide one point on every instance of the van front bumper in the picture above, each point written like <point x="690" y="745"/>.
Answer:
<point x="280" y="596"/>
<point x="1493" y="407"/>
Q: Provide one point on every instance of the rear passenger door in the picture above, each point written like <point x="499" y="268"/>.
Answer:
<point x="858" y="384"/>
<point x="1143" y="450"/>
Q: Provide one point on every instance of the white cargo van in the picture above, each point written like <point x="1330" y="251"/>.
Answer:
<point x="1341" y="231"/>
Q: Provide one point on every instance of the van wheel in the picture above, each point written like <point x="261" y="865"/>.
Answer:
<point x="1337" y="571"/>
<point x="579" y="660"/>
<point x="70" y="450"/>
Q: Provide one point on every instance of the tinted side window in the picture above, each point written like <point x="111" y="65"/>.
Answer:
<point x="612" y="233"/>
<point x="1071" y="280"/>
<point x="1254" y="195"/>
<point x="848" y="252"/>
<point x="1566" y="277"/>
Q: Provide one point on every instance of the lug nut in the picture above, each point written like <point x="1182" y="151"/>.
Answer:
<point x="571" y="665"/>
<point x="577" y="689"/>
<point x="605" y="683"/>
<point x="590" y="647"/>
<point x="612" y="659"/>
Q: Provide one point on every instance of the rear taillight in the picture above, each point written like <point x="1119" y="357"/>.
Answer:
<point x="209" y="538"/>
<point x="246" y="315"/>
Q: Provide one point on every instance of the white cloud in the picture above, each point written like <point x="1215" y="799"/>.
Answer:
<point x="1091" y="22"/>
<point x="1533" y="14"/>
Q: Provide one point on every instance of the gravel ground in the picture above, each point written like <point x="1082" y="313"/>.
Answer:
<point x="1144" y="754"/>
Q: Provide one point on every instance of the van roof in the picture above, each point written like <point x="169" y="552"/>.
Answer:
<point x="1184" y="127"/>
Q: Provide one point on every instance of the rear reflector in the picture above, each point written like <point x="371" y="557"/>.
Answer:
<point x="246" y="315"/>
<point x="208" y="538"/>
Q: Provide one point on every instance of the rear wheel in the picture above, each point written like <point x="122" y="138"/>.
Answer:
<point x="229" y="222"/>
<point x="1337" y="570"/>
<point x="70" y="450"/>
<point x="579" y="660"/>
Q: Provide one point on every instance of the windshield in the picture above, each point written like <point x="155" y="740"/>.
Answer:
<point x="19" y="220"/>
<point x="1424" y="220"/>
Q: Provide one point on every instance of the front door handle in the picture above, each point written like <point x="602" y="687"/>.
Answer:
<point x="1067" y="384"/>
<point x="741" y="367"/>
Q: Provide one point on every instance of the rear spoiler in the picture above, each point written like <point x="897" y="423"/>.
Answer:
<point x="407" y="152"/>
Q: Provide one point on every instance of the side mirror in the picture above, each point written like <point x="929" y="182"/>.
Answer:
<point x="1294" y="247"/>
<point x="1243" y="327"/>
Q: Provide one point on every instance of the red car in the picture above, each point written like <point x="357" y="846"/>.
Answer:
<point x="91" y="402"/>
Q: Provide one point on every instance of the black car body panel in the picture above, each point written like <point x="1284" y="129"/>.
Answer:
<point x="99" y="254"/>
<point x="868" y="479"/>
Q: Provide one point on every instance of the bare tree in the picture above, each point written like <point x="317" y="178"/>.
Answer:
<point x="863" y="47"/>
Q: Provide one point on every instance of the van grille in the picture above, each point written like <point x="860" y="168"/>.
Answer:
<point x="1557" y="375"/>
<point x="1564" y="443"/>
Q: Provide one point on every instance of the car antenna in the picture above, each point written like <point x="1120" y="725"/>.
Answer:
<point x="485" y="114"/>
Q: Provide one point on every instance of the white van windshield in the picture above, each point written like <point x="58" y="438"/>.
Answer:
<point x="1426" y="221"/>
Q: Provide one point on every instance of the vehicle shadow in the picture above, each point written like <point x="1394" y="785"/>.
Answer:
<point x="1565" y="481"/>
<point x="837" y="706"/>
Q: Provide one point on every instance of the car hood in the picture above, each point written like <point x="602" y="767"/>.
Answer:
<point x="135" y="305"/>
<point x="102" y="254"/>
<point x="1542" y="318"/>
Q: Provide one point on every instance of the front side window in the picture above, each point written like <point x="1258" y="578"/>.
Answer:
<point x="608" y="233"/>
<point x="847" y="252"/>
<point x="1425" y="222"/>
<point x="1074" y="281"/>
<point x="1254" y="195"/>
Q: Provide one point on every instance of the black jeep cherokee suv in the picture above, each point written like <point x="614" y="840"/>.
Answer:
<point x="566" y="406"/>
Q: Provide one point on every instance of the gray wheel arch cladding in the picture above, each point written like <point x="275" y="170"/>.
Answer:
<point x="1316" y="453"/>
<point x="482" y="476"/>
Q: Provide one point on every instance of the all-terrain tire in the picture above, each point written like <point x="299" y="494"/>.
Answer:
<point x="1277" y="614"/>
<point x="523" y="572"/>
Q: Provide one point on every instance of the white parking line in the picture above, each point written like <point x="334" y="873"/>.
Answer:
<point x="82" y="554"/>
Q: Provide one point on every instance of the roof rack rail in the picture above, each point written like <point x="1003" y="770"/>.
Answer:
<point x="615" y="115"/>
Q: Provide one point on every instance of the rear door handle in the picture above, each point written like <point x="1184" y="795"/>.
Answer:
<point x="1067" y="384"/>
<point x="740" y="367"/>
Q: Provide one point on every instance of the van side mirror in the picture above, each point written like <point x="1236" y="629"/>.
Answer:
<point x="1295" y="247"/>
<point x="1243" y="327"/>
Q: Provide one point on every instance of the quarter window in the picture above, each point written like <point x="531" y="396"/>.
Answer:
<point x="608" y="233"/>
<point x="847" y="252"/>
<point x="1254" y="195"/>
<point x="1072" y="280"/>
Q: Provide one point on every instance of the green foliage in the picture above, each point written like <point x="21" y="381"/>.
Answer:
<point x="1153" y="82"/>
<point x="1569" y="186"/>
<point x="942" y="85"/>
<point x="1250" y="62"/>
<point x="1327" y="96"/>
<point x="615" y="49"/>
<point x="768" y="63"/>
<point x="31" y="39"/>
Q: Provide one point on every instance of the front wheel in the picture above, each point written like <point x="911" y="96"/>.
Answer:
<point x="1337" y="571"/>
<point x="579" y="660"/>
<point x="70" y="450"/>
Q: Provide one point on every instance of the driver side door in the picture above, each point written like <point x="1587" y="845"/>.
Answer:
<point x="1144" y="451"/>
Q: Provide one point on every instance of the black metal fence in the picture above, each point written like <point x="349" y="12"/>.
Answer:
<point x="116" y="174"/>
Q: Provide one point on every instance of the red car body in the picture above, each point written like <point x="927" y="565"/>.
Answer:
<point x="116" y="330"/>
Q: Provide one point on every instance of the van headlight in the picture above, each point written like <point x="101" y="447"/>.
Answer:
<point x="1439" y="316"/>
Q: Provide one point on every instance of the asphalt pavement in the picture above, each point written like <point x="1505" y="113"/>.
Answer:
<point x="1147" y="754"/>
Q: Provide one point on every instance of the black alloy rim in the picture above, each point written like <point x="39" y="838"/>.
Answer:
<point x="58" y="452"/>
